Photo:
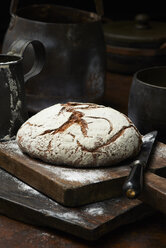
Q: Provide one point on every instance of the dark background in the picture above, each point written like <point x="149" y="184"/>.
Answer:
<point x="115" y="10"/>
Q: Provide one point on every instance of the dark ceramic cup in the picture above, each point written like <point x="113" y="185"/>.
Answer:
<point x="147" y="101"/>
<point x="13" y="111"/>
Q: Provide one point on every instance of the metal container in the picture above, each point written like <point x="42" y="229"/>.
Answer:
<point x="131" y="46"/>
<point x="13" y="111"/>
<point x="75" y="53"/>
<point x="147" y="101"/>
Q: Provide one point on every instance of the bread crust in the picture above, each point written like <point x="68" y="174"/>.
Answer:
<point x="79" y="135"/>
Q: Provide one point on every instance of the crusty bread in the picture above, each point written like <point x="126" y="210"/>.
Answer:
<point x="79" y="135"/>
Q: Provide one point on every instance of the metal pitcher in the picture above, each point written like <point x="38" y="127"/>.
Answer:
<point x="75" y="53"/>
<point x="13" y="111"/>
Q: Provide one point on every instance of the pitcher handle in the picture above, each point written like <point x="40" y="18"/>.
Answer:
<point x="13" y="6"/>
<point x="99" y="7"/>
<point x="18" y="47"/>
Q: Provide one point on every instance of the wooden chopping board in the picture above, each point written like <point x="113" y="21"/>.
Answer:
<point x="71" y="187"/>
<point x="21" y="202"/>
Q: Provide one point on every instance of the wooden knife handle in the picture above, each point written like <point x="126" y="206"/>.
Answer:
<point x="132" y="187"/>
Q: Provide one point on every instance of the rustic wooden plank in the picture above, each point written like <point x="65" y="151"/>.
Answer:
<point x="21" y="202"/>
<point x="68" y="186"/>
<point x="154" y="192"/>
<point x="146" y="233"/>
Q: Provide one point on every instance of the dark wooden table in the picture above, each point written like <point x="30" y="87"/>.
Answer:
<point x="148" y="233"/>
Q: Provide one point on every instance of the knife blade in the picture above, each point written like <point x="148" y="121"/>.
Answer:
<point x="133" y="185"/>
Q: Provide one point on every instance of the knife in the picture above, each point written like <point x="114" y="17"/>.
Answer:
<point x="133" y="185"/>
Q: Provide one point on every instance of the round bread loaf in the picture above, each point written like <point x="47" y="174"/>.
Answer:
<point x="79" y="135"/>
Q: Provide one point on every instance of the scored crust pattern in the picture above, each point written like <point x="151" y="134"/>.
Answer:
<point x="79" y="135"/>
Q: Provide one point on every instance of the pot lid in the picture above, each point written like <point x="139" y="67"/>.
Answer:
<point x="139" y="33"/>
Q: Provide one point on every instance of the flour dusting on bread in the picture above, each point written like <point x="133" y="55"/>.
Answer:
<point x="79" y="135"/>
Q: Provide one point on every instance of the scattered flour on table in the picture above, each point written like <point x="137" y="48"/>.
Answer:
<point x="77" y="175"/>
<point x="161" y="152"/>
<point x="95" y="211"/>
<point x="27" y="188"/>
<point x="11" y="146"/>
<point x="21" y="185"/>
<point x="68" y="216"/>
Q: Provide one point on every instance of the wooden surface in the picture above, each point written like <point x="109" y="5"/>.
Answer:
<point x="147" y="233"/>
<point x="68" y="186"/>
<point x="20" y="201"/>
<point x="154" y="192"/>
<point x="90" y="222"/>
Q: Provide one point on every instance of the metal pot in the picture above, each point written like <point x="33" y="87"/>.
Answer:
<point x="147" y="101"/>
<point x="75" y="53"/>
<point x="131" y="45"/>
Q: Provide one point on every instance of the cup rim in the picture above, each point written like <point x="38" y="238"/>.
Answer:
<point x="14" y="59"/>
<point x="148" y="69"/>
